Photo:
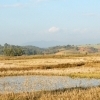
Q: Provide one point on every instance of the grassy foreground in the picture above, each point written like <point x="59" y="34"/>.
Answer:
<point x="64" y="94"/>
<point x="73" y="66"/>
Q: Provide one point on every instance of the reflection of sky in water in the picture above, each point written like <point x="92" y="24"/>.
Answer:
<point x="37" y="83"/>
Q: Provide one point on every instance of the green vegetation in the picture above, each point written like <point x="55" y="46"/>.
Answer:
<point x="11" y="50"/>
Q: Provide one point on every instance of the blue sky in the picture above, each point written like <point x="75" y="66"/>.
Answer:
<point x="69" y="21"/>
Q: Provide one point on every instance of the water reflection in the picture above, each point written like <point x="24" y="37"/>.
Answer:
<point x="38" y="83"/>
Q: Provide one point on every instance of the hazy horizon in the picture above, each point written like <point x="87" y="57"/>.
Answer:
<point x="64" y="21"/>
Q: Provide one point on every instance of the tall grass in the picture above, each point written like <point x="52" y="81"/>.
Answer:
<point x="92" y="93"/>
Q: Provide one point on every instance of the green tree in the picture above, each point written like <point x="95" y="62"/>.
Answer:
<point x="11" y="50"/>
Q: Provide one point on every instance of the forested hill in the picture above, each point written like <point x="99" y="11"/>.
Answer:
<point x="14" y="50"/>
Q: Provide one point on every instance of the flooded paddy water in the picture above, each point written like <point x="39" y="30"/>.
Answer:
<point x="38" y="83"/>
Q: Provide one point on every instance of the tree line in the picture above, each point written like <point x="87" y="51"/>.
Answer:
<point x="14" y="50"/>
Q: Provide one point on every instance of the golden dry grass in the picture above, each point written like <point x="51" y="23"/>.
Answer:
<point x="64" y="94"/>
<point x="74" y="66"/>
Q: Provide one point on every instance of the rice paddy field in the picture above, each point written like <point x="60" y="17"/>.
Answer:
<point x="75" y="66"/>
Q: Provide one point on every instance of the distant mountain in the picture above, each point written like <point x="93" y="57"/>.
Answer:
<point x="45" y="44"/>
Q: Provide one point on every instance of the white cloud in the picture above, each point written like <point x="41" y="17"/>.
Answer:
<point x="17" y="5"/>
<point x="84" y="30"/>
<point x="38" y="0"/>
<point x="12" y="6"/>
<point x="54" y="29"/>
<point x="89" y="14"/>
<point x="41" y="0"/>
